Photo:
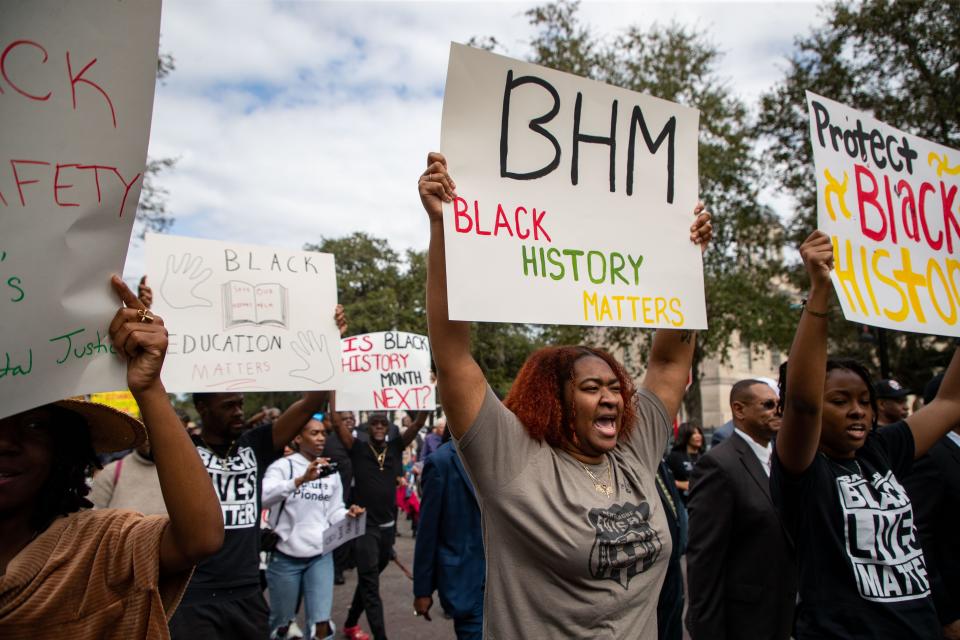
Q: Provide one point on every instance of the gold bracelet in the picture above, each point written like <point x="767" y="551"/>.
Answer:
<point x="816" y="314"/>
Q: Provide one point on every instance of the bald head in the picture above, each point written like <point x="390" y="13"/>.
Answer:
<point x="754" y="407"/>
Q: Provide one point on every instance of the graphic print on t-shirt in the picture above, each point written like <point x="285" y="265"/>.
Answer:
<point x="881" y="539"/>
<point x="235" y="482"/>
<point x="625" y="545"/>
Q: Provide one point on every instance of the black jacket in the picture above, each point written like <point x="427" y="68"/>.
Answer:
<point x="934" y="489"/>
<point x="741" y="566"/>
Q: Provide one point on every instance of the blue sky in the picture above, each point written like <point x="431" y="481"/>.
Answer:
<point x="297" y="120"/>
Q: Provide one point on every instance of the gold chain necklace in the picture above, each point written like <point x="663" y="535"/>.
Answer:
<point x="381" y="457"/>
<point x="606" y="488"/>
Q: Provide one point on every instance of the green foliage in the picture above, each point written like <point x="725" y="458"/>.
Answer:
<point x="381" y="290"/>
<point x="899" y="61"/>
<point x="152" y="214"/>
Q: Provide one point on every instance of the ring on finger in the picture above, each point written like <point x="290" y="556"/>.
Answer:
<point x="145" y="316"/>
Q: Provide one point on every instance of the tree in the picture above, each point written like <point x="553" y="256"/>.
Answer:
<point x="382" y="291"/>
<point x="899" y="61"/>
<point x="152" y="212"/>
<point x="744" y="265"/>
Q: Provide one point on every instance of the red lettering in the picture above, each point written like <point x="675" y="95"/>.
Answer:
<point x="460" y="215"/>
<point x="16" y="176"/>
<point x="77" y="79"/>
<point x="538" y="226"/>
<point x="516" y="219"/>
<point x="949" y="220"/>
<point x="57" y="186"/>
<point x="926" y="188"/>
<point x="869" y="197"/>
<point x="126" y="189"/>
<point x="893" y="218"/>
<point x="476" y="219"/>
<point x="501" y="221"/>
<point x="3" y="69"/>
<point x="910" y="226"/>
<point x="96" y="175"/>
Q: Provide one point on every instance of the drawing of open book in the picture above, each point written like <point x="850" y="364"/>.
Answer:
<point x="245" y="303"/>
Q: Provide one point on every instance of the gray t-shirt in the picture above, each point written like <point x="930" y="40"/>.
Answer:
<point x="563" y="560"/>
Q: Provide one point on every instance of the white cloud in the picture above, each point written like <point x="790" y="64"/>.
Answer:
<point x="298" y="120"/>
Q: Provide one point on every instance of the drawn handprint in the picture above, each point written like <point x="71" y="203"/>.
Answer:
<point x="318" y="366"/>
<point x="180" y="282"/>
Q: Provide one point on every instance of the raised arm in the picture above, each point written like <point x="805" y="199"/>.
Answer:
<point x="671" y="354"/>
<point x="291" y="421"/>
<point x="410" y="433"/>
<point x="933" y="421"/>
<point x="196" y="522"/>
<point x="346" y="438"/>
<point x="799" y="436"/>
<point x="461" y="382"/>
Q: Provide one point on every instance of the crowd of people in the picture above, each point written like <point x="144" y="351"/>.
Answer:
<point x="825" y="509"/>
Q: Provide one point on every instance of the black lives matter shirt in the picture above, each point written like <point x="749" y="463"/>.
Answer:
<point x="376" y="490"/>
<point x="862" y="572"/>
<point x="236" y="473"/>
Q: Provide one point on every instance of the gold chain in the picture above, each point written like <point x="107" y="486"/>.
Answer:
<point x="606" y="488"/>
<point x="381" y="457"/>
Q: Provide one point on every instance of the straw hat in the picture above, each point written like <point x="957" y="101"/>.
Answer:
<point x="110" y="429"/>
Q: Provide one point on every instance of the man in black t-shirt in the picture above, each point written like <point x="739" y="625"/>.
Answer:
<point x="224" y="598"/>
<point x="377" y="463"/>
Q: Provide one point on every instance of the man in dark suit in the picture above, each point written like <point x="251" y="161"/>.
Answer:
<point x="448" y="557"/>
<point x="934" y="489"/>
<point x="741" y="567"/>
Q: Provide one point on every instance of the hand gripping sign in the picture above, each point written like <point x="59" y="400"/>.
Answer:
<point x="889" y="202"/>
<point x="575" y="199"/>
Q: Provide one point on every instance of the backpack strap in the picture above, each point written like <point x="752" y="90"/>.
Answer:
<point x="116" y="471"/>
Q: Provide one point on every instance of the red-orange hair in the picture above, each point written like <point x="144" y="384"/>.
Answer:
<point x="537" y="395"/>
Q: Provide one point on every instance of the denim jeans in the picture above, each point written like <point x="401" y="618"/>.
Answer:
<point x="287" y="577"/>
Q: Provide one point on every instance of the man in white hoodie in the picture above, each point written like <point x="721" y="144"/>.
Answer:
<point x="305" y="495"/>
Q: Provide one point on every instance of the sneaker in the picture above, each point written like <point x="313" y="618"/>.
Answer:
<point x="294" y="632"/>
<point x="355" y="633"/>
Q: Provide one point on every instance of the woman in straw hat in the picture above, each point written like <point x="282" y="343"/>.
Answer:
<point x="68" y="571"/>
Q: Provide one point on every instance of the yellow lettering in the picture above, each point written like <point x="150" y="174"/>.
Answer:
<point x="848" y="275"/>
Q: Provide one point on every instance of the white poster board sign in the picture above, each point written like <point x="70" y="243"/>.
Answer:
<point x="76" y="97"/>
<point x="889" y="201"/>
<point x="344" y="531"/>
<point x="385" y="371"/>
<point x="244" y="317"/>
<point x="575" y="199"/>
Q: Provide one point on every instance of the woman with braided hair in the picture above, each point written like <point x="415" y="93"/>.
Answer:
<point x="68" y="571"/>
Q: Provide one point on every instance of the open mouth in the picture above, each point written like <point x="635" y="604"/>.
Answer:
<point x="8" y="475"/>
<point x="606" y="425"/>
<point x="858" y="431"/>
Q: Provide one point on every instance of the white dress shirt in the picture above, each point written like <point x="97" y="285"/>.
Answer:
<point x="763" y="453"/>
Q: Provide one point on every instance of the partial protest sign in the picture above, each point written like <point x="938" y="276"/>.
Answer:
<point x="888" y="200"/>
<point x="244" y="317"/>
<point x="385" y="371"/>
<point x="344" y="531"/>
<point x="76" y="98"/>
<point x="120" y="400"/>
<point x="575" y="199"/>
